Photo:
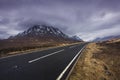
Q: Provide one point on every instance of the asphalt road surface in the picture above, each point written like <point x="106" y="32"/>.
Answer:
<point x="51" y="64"/>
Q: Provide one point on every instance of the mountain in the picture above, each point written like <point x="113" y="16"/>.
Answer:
<point x="75" y="37"/>
<point x="107" y="38"/>
<point x="43" y="33"/>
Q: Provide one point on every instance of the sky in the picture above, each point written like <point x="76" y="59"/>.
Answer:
<point x="88" y="19"/>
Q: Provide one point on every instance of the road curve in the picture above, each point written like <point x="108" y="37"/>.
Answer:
<point x="51" y="64"/>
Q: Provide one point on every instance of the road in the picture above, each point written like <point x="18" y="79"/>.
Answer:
<point x="51" y="64"/>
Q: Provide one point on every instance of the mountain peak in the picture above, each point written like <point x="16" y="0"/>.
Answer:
<point x="43" y="33"/>
<point x="43" y="30"/>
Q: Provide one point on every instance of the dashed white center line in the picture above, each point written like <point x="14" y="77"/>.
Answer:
<point x="45" y="56"/>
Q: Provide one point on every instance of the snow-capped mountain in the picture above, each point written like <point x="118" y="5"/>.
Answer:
<point x="43" y="33"/>
<point x="76" y="38"/>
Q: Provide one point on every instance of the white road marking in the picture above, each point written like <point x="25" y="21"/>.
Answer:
<point x="63" y="72"/>
<point x="30" y="52"/>
<point x="45" y="56"/>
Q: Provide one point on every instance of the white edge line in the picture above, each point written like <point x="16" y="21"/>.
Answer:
<point x="74" y="64"/>
<point x="45" y="56"/>
<point x="63" y="72"/>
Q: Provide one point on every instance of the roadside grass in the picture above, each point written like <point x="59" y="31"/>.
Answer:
<point x="17" y="50"/>
<point x="13" y="50"/>
<point x="99" y="61"/>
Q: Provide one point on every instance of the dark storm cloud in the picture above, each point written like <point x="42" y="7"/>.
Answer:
<point x="4" y="34"/>
<point x="4" y="21"/>
<point x="80" y="17"/>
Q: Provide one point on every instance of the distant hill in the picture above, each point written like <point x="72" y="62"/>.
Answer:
<point x="107" y="38"/>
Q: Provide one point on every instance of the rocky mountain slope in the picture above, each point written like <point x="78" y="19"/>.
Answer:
<point x="75" y="37"/>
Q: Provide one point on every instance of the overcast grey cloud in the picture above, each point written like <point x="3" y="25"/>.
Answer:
<point x="87" y="18"/>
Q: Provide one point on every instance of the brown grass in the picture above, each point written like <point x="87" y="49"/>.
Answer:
<point x="100" y="61"/>
<point x="13" y="50"/>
